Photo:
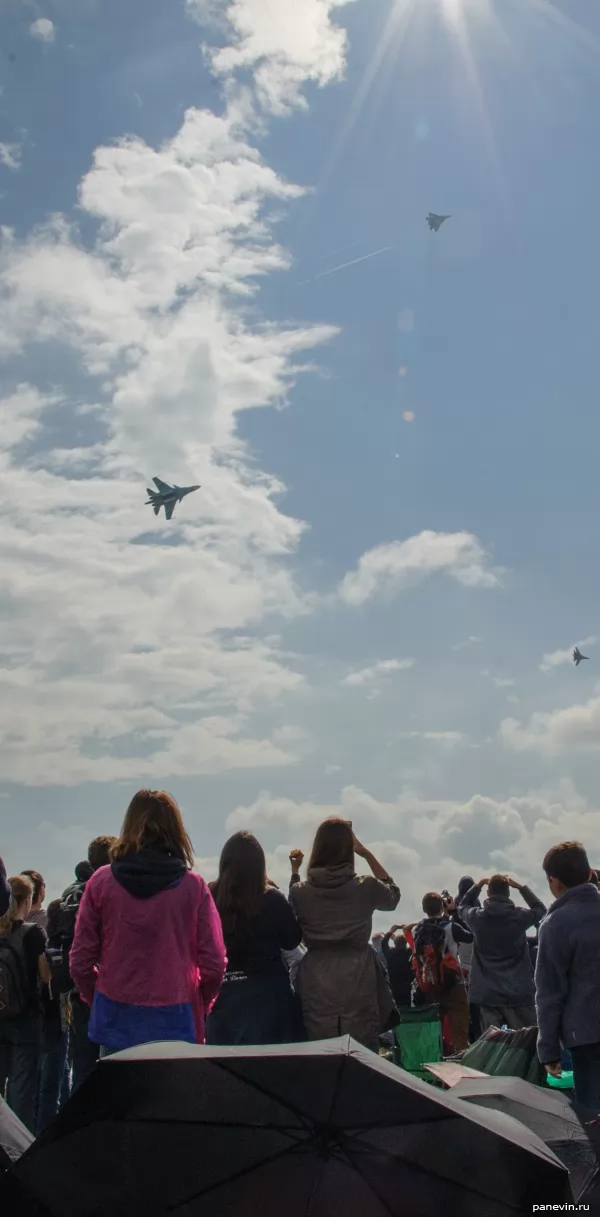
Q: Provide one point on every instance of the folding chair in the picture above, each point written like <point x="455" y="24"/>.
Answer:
<point x="418" y="1039"/>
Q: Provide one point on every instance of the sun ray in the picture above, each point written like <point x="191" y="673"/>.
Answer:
<point x="457" y="14"/>
<point x="567" y="24"/>
<point x="391" y="38"/>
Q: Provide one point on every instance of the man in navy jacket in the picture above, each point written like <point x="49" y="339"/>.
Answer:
<point x="567" y="973"/>
<point x="501" y="976"/>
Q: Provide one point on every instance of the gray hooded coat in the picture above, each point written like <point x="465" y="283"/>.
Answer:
<point x="342" y="985"/>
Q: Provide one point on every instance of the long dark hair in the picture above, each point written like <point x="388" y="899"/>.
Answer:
<point x="241" y="885"/>
<point x="333" y="844"/>
<point x="153" y="821"/>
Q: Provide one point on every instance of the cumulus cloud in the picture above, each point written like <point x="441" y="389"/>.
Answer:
<point x="383" y="668"/>
<point x="43" y="29"/>
<point x="428" y="844"/>
<point x="575" y="729"/>
<point x="285" y="45"/>
<point x="555" y="659"/>
<point x="500" y="682"/>
<point x="129" y="650"/>
<point x="21" y="414"/>
<point x="10" y="156"/>
<point x="391" y="567"/>
<point x="451" y="738"/>
<point x="466" y="642"/>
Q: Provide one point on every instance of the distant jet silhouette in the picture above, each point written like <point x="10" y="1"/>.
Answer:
<point x="435" y="222"/>
<point x="577" y="656"/>
<point x="167" y="496"/>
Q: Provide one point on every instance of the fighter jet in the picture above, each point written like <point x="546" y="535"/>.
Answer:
<point x="166" y="496"/>
<point x="577" y="656"/>
<point x="435" y="222"/>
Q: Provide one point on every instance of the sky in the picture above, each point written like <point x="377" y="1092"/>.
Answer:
<point x="215" y="268"/>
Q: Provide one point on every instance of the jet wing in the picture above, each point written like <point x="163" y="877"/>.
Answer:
<point x="169" y="509"/>
<point x="162" y="487"/>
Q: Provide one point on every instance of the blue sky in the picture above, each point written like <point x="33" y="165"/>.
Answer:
<point x="371" y="603"/>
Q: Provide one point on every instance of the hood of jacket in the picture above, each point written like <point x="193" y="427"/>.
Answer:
<point x="583" y="893"/>
<point x="148" y="872"/>
<point x="83" y="871"/>
<point x="331" y="876"/>
<point x="496" y="906"/>
<point x="464" y="885"/>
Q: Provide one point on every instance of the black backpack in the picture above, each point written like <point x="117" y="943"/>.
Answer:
<point x="14" y="996"/>
<point x="62" y="938"/>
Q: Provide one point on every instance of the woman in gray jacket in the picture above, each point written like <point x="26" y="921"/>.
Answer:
<point x="342" y="986"/>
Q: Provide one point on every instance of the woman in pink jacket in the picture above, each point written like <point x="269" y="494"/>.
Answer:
<point x="148" y="954"/>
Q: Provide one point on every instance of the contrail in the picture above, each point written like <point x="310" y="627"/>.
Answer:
<point x="343" y="265"/>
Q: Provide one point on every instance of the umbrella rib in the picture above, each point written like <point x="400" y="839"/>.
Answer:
<point x="281" y="1153"/>
<point x="386" y="1153"/>
<point x="256" y="1127"/>
<point x="309" y="1207"/>
<point x="306" y="1120"/>
<point x="381" y="1200"/>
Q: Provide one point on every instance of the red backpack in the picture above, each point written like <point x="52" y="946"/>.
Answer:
<point x="435" y="966"/>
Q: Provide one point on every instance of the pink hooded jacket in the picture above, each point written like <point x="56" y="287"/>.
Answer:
<point x="155" y="952"/>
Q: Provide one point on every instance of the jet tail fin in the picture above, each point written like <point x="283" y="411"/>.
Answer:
<point x="156" y="508"/>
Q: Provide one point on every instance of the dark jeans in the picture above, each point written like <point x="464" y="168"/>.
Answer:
<point x="52" y="1087"/>
<point x="255" y="1009"/>
<point x="586" y="1075"/>
<point x="20" y="1051"/>
<point x="85" y="1054"/>
<point x="515" y="1017"/>
<point x="474" y="1022"/>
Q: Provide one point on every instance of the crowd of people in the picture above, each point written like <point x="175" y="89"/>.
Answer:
<point x="140" y="948"/>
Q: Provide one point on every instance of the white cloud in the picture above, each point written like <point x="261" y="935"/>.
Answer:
<point x="390" y="567"/>
<point x="428" y="844"/>
<point x="500" y="682"/>
<point x="554" y="659"/>
<point x="21" y="414"/>
<point x="43" y="29"/>
<point x="123" y="658"/>
<point x="573" y="730"/>
<point x="452" y="738"/>
<point x="385" y="666"/>
<point x="283" y="42"/>
<point x="10" y="156"/>
<point x="467" y="642"/>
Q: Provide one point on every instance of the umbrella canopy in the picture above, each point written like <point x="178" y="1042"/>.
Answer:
<point x="14" y="1137"/>
<point x="302" y="1130"/>
<point x="548" y="1114"/>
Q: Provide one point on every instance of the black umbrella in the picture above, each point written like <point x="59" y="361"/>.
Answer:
<point x="287" y="1131"/>
<point x="14" y="1137"/>
<point x="550" y="1116"/>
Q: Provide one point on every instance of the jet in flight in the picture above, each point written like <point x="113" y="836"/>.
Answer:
<point x="167" y="496"/>
<point x="435" y="222"/>
<point x="577" y="656"/>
